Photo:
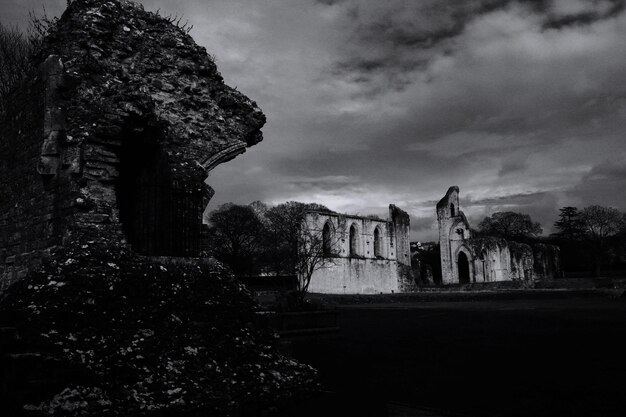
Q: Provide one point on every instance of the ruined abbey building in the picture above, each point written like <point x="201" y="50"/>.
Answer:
<point x="363" y="255"/>
<point x="467" y="260"/>
<point x="117" y="127"/>
<point x="107" y="307"/>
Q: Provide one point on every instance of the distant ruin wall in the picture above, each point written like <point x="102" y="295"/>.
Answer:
<point x="466" y="260"/>
<point x="356" y="276"/>
<point x="366" y="255"/>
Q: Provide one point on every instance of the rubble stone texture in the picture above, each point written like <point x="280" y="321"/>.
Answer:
<point x="118" y="128"/>
<point x="106" y="308"/>
<point x="466" y="260"/>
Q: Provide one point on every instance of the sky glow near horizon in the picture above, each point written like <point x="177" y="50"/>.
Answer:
<point x="522" y="104"/>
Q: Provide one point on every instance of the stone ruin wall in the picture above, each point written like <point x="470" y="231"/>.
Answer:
<point x="115" y="131"/>
<point x="364" y="272"/>
<point x="31" y="205"/>
<point x="490" y="259"/>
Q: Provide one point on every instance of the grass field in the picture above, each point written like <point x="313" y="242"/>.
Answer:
<point x="559" y="356"/>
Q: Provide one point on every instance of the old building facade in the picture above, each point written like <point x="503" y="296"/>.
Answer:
<point x="362" y="255"/>
<point x="467" y="260"/>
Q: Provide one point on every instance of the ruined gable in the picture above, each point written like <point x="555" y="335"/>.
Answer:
<point x="468" y="260"/>
<point x="116" y="130"/>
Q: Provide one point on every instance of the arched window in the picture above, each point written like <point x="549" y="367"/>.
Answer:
<point x="452" y="212"/>
<point x="377" y="243"/>
<point x="353" y="241"/>
<point x="326" y="242"/>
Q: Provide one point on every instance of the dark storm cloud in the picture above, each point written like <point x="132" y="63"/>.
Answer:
<point x="597" y="10"/>
<point x="401" y="37"/>
<point x="603" y="185"/>
<point x="519" y="103"/>
<point x="515" y="200"/>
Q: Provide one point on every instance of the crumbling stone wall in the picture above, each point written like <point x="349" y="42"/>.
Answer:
<point x="116" y="129"/>
<point x="369" y="270"/>
<point x="32" y="202"/>
<point x="468" y="260"/>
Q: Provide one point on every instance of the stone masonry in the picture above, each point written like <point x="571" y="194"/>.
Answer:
<point x="365" y="255"/>
<point x="115" y="129"/>
<point x="467" y="260"/>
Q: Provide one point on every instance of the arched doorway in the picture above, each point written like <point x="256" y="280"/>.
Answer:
<point x="463" y="268"/>
<point x="159" y="215"/>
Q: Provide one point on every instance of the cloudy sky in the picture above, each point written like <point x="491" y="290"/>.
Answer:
<point x="522" y="104"/>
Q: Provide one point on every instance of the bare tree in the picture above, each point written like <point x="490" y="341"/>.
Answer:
<point x="600" y="223"/>
<point x="17" y="50"/>
<point x="15" y="54"/>
<point x="315" y="251"/>
<point x="295" y="246"/>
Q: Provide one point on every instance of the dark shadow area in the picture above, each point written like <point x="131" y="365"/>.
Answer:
<point x="161" y="215"/>
<point x="506" y="358"/>
<point x="144" y="196"/>
<point x="463" y="268"/>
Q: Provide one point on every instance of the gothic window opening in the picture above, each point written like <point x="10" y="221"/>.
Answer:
<point x="353" y="241"/>
<point x="377" y="243"/>
<point x="326" y="240"/>
<point x="452" y="211"/>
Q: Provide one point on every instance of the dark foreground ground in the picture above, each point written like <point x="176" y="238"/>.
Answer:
<point x="562" y="356"/>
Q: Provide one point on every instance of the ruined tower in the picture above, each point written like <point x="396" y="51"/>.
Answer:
<point x="454" y="231"/>
<point x="466" y="260"/>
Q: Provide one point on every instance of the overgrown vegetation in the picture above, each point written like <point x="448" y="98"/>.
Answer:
<point x="257" y="239"/>
<point x="592" y="238"/>
<point x="151" y="339"/>
<point x="17" y="50"/>
<point x="15" y="60"/>
<point x="509" y="225"/>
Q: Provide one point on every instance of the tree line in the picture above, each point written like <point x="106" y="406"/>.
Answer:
<point x="257" y="239"/>
<point x="590" y="239"/>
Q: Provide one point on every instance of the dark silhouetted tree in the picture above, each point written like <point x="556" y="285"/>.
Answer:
<point x="509" y="225"/>
<point x="236" y="238"/>
<point x="600" y="224"/>
<point x="569" y="226"/>
<point x="293" y="246"/>
<point x="283" y="223"/>
<point x="15" y="54"/>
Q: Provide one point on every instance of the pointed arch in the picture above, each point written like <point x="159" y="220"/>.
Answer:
<point x="354" y="240"/>
<point x="327" y="239"/>
<point x="378" y="247"/>
<point x="463" y="268"/>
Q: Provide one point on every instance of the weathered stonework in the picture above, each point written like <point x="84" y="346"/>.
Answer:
<point x="367" y="255"/>
<point x="487" y="259"/>
<point x="116" y="130"/>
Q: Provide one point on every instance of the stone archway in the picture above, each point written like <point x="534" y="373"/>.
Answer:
<point x="159" y="215"/>
<point x="463" y="268"/>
